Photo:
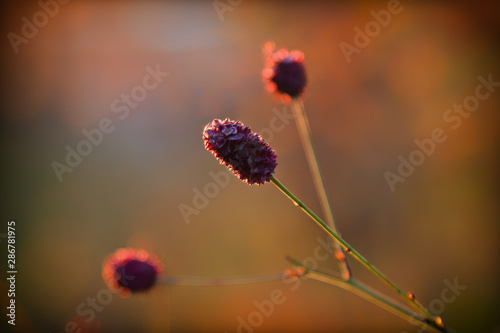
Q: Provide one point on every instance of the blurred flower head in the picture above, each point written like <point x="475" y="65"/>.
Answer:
<point x="241" y="150"/>
<point x="284" y="73"/>
<point x="131" y="270"/>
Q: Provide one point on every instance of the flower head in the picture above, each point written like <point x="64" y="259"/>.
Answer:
<point x="130" y="270"/>
<point x="241" y="150"/>
<point x="284" y="72"/>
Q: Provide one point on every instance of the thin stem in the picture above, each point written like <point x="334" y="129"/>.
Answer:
<point x="305" y="135"/>
<point x="373" y="296"/>
<point x="350" y="249"/>
<point x="189" y="281"/>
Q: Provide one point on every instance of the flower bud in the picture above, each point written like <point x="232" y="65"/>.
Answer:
<point x="284" y="72"/>
<point x="130" y="270"/>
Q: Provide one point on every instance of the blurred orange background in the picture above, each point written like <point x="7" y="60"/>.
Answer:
<point x="440" y="224"/>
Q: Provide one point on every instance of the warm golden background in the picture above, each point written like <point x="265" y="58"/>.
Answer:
<point x="441" y="223"/>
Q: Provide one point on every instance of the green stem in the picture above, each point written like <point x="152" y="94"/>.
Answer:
<point x="350" y="249"/>
<point x="373" y="296"/>
<point x="305" y="136"/>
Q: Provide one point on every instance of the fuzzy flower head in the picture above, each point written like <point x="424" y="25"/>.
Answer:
<point x="284" y="73"/>
<point x="131" y="271"/>
<point x="244" y="152"/>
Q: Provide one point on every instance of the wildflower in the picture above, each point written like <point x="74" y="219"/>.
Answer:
<point x="244" y="152"/>
<point x="130" y="270"/>
<point x="284" y="72"/>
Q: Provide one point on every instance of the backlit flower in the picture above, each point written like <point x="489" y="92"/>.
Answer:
<point x="130" y="270"/>
<point x="241" y="150"/>
<point x="284" y="73"/>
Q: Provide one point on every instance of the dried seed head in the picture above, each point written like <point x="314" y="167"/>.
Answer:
<point x="241" y="150"/>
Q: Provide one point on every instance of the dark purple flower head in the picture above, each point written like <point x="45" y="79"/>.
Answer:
<point x="241" y="150"/>
<point x="130" y="271"/>
<point x="284" y="72"/>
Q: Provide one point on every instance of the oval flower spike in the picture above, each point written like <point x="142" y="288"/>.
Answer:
<point x="244" y="152"/>
<point x="131" y="270"/>
<point x="284" y="73"/>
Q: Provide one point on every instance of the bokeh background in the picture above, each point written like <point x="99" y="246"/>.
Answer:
<point x="440" y="224"/>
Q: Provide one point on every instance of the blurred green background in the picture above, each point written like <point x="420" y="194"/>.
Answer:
<point x="440" y="224"/>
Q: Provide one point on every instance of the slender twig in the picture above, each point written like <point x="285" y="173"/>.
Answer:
<point x="348" y="248"/>
<point x="191" y="281"/>
<point x="351" y="285"/>
<point x="371" y="295"/>
<point x="305" y="136"/>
